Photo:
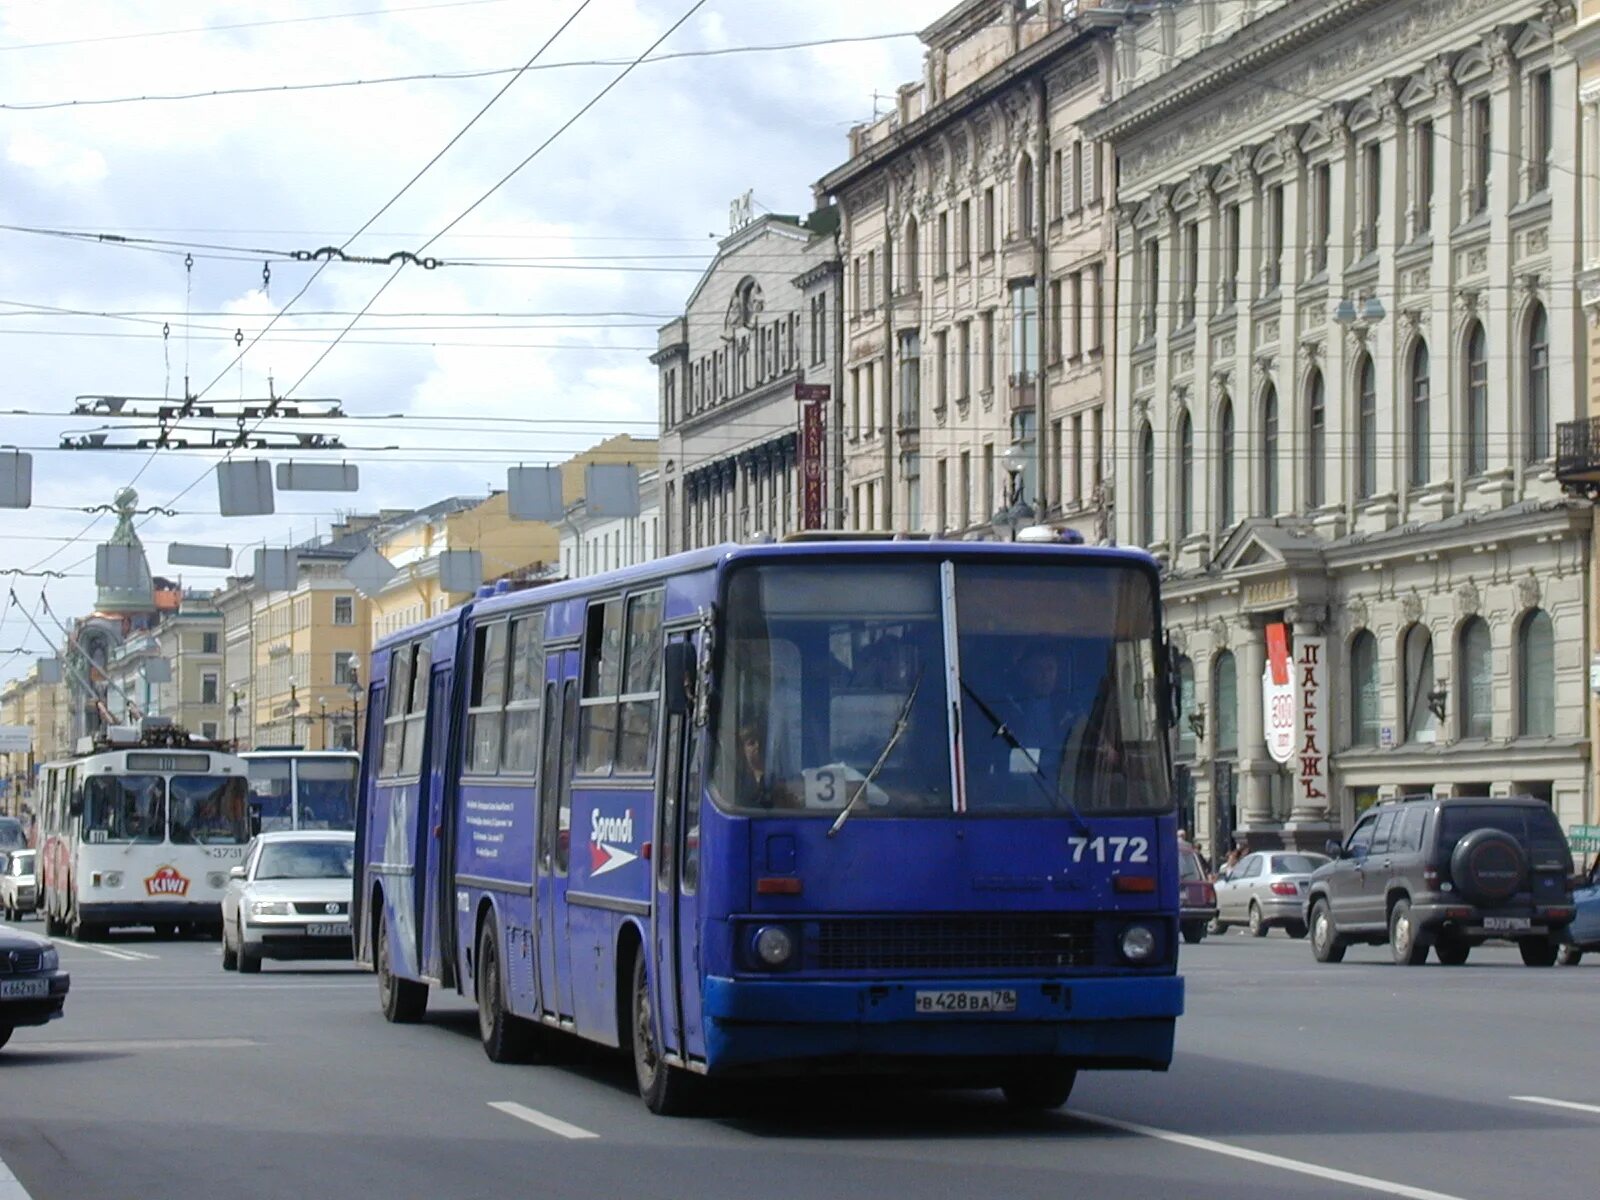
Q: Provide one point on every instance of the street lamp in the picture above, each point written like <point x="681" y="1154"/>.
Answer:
<point x="294" y="707"/>
<point x="323" y="705"/>
<point x="354" y="688"/>
<point x="1358" y="319"/>
<point x="234" y="709"/>
<point x="1014" y="512"/>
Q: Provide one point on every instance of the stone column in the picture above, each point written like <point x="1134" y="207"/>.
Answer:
<point x="1251" y="786"/>
<point x="1312" y="819"/>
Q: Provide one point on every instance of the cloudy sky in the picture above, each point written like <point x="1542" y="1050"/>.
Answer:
<point x="571" y="266"/>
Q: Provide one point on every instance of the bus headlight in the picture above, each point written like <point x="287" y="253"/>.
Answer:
<point x="269" y="908"/>
<point x="112" y="879"/>
<point x="217" y="879"/>
<point x="774" y="945"/>
<point x="1138" y="943"/>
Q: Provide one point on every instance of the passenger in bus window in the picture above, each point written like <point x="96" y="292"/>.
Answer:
<point x="758" y="785"/>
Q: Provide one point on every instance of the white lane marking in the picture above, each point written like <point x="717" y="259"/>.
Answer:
<point x="120" y="989"/>
<point x="1370" y="1183"/>
<point x="136" y="1044"/>
<point x="117" y="952"/>
<point x="1572" y="1104"/>
<point x="10" y="1186"/>
<point x="534" y="1117"/>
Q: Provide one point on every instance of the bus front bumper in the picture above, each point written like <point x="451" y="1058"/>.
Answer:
<point x="1124" y="1022"/>
<point x="156" y="912"/>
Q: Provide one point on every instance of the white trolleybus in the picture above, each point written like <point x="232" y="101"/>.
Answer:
<point x="141" y="828"/>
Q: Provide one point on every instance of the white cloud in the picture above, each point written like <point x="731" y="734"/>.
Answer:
<point x="55" y="162"/>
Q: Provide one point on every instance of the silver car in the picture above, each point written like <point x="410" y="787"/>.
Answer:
<point x="19" y="883"/>
<point x="289" y="899"/>
<point x="1265" y="889"/>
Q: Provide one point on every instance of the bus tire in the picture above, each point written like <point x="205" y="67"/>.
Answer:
<point x="403" y="1000"/>
<point x="667" y="1091"/>
<point x="506" y="1038"/>
<point x="1040" y="1088"/>
<point x="5" y="1034"/>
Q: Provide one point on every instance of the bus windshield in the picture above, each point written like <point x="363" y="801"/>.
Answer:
<point x="125" y="808"/>
<point x="272" y="791"/>
<point x="836" y="689"/>
<point x="327" y="793"/>
<point x="209" y="810"/>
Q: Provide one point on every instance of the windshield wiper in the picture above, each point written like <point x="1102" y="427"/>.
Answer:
<point x="1004" y="732"/>
<point x="900" y="723"/>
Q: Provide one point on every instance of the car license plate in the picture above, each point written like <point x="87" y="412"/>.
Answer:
<point x="1506" y="924"/>
<point x="996" y="1001"/>
<point x="24" y="989"/>
<point x="341" y="929"/>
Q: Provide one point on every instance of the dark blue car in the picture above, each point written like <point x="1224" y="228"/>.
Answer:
<point x="1584" y="933"/>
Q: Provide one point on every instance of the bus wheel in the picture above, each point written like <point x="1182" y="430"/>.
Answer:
<point x="667" y="1090"/>
<point x="506" y="1038"/>
<point x="5" y="1034"/>
<point x="403" y="1000"/>
<point x="1040" y="1088"/>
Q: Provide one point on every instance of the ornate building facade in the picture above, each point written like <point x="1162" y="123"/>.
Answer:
<point x="1348" y="244"/>
<point x="978" y="281"/>
<point x="762" y="319"/>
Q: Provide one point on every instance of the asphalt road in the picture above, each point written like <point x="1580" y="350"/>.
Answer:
<point x="170" y="1079"/>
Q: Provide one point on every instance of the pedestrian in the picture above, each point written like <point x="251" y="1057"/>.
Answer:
<point x="1230" y="862"/>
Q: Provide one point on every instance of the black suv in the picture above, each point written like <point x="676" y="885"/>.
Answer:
<point x="1450" y="874"/>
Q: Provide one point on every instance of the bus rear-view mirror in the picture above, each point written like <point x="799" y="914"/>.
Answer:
<point x="679" y="669"/>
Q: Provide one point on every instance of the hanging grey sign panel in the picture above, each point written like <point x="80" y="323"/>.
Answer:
<point x="534" y="494"/>
<point x="276" y="569"/>
<point x="121" y="568"/>
<point x="319" y="477"/>
<point x="183" y="554"/>
<point x="16" y="480"/>
<point x="157" y="670"/>
<point x="461" y="570"/>
<point x="611" y="490"/>
<point x="244" y="489"/>
<point x="370" y="572"/>
<point x="49" y="670"/>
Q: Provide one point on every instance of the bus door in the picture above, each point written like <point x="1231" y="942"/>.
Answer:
<point x="675" y="925"/>
<point x="437" y="882"/>
<point x="554" y="845"/>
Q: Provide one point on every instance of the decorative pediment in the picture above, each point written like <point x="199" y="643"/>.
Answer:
<point x="1471" y="65"/>
<point x="1155" y="207"/>
<point x="1268" y="158"/>
<point x="1418" y="89"/>
<point x="1316" y="136"/>
<point x="1364" y="115"/>
<point x="1224" y="178"/>
<point x="1532" y="37"/>
<point x="1273" y="554"/>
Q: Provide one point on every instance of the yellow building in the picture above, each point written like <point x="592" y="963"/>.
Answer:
<point x="308" y="646"/>
<point x="45" y="710"/>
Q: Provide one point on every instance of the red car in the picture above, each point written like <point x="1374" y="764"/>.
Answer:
<point x="1197" y="899"/>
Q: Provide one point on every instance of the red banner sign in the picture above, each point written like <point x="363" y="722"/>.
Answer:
<point x="811" y="465"/>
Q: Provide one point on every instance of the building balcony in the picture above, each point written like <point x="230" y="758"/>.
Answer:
<point x="1578" y="457"/>
<point x="1023" y="392"/>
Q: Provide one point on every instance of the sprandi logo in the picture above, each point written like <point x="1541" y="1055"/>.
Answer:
<point x="167" y="881"/>
<point x="605" y="855"/>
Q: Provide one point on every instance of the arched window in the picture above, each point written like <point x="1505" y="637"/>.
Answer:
<point x="1225" y="705"/>
<point x="1421" y="415"/>
<point x="1417" y="680"/>
<point x="1269" y="451"/>
<point x="1225" y="463"/>
<point x="1187" y="742"/>
<point x="1025" y="196"/>
<point x="1366" y="427"/>
<point x="1147" y="485"/>
<point x="1316" y="441"/>
<point x="1477" y="377"/>
<point x="1364" y="689"/>
<point x="1475" y="680"/>
<point x="1537" y="409"/>
<point x="909" y="264"/>
<point x="1185" y="475"/>
<point x="1536" y="676"/>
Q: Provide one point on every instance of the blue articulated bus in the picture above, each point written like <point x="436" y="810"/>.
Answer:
<point x="836" y="806"/>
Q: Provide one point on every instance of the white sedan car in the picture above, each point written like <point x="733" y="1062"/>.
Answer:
<point x="289" y="899"/>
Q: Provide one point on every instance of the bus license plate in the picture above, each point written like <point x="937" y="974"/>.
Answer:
<point x="997" y="1001"/>
<point x="24" y="989"/>
<point x="342" y="929"/>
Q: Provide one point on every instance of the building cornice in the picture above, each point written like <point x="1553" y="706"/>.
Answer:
<point x="1217" y="66"/>
<point x="1583" y="39"/>
<point x="1035" y="59"/>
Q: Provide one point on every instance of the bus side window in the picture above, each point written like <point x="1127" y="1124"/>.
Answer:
<point x="691" y="819"/>
<point x="549" y="783"/>
<point x="569" y="740"/>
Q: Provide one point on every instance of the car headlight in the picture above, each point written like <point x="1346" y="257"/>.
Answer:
<point x="50" y="960"/>
<point x="774" y="945"/>
<point x="1138" y="943"/>
<point x="269" y="908"/>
